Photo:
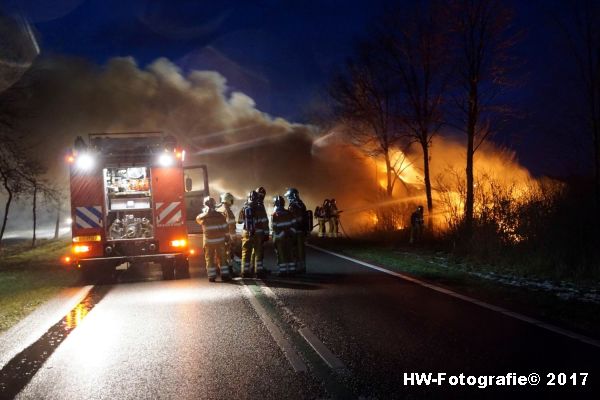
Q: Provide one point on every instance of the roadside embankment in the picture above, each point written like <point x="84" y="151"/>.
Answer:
<point x="29" y="277"/>
<point x="572" y="304"/>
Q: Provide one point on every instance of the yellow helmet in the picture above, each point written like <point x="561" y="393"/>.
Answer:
<point x="227" y="198"/>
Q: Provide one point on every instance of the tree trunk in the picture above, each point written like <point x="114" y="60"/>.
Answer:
<point x="388" y="170"/>
<point x="35" y="189"/>
<point x="427" y="178"/>
<point x="5" y="219"/>
<point x="471" y="128"/>
<point x="57" y="225"/>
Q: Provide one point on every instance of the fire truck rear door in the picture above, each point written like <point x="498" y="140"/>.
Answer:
<point x="196" y="188"/>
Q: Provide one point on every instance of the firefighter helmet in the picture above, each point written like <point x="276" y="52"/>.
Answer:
<point x="292" y="193"/>
<point x="253" y="196"/>
<point x="210" y="202"/>
<point x="227" y="198"/>
<point x="262" y="192"/>
<point x="279" y="201"/>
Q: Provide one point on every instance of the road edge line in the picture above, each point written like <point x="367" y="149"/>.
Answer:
<point x="330" y="359"/>
<point x="319" y="347"/>
<point x="498" y="309"/>
<point x="288" y="350"/>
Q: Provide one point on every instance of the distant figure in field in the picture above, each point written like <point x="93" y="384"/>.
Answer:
<point x="416" y="225"/>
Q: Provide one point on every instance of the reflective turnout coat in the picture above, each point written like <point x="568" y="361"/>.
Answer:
<point x="215" y="232"/>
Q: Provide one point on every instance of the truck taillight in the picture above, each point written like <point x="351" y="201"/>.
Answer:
<point x="179" y="243"/>
<point x="81" y="248"/>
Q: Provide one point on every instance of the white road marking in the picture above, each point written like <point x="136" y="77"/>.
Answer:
<point x="330" y="359"/>
<point x="326" y="355"/>
<point x="501" y="310"/>
<point x="289" y="352"/>
<point x="269" y="293"/>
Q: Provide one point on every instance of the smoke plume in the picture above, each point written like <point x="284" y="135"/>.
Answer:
<point x="243" y="147"/>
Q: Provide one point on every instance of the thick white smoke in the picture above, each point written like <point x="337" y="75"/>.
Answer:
<point x="243" y="147"/>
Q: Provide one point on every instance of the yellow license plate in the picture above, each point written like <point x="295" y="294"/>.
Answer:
<point x="92" y="238"/>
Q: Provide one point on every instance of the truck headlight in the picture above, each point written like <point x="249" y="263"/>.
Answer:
<point x="165" y="160"/>
<point x="84" y="161"/>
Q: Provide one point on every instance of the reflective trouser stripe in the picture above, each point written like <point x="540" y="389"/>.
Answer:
<point x="225" y="270"/>
<point x="282" y="267"/>
<point x="291" y="266"/>
<point x="283" y="249"/>
<point x="214" y="255"/>
<point x="252" y="251"/>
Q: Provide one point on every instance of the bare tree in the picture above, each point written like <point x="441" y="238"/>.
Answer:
<point x="35" y="185"/>
<point x="417" y="47"/>
<point x="365" y="103"/>
<point x="483" y="33"/>
<point x="11" y="166"/>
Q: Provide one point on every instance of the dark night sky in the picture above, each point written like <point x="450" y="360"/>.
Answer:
<point x="282" y="53"/>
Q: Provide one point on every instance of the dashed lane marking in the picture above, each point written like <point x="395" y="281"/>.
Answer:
<point x="501" y="310"/>
<point x="289" y="352"/>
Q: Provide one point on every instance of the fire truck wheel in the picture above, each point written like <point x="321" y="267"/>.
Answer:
<point x="168" y="269"/>
<point x="182" y="268"/>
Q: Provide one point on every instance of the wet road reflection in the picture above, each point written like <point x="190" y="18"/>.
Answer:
<point x="20" y="370"/>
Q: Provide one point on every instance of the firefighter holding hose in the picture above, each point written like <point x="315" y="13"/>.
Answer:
<point x="416" y="225"/>
<point x="321" y="214"/>
<point x="334" y="219"/>
<point x="284" y="235"/>
<point x="215" y="230"/>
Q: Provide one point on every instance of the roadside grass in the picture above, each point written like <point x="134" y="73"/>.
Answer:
<point x="441" y="269"/>
<point x="29" y="277"/>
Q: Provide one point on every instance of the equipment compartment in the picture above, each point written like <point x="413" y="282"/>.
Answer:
<point x="128" y="201"/>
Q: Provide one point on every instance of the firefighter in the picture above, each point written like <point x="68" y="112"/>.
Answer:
<point x="215" y="230"/>
<point x="227" y="202"/>
<point x="333" y="216"/>
<point x="255" y="223"/>
<point x="321" y="214"/>
<point x="416" y="225"/>
<point x="263" y="212"/>
<point x="302" y="220"/>
<point x="284" y="234"/>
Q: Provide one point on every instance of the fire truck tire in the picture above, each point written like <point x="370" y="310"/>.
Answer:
<point x="168" y="269"/>
<point x="182" y="268"/>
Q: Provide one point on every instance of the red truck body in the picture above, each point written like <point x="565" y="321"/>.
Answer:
<point x="132" y="201"/>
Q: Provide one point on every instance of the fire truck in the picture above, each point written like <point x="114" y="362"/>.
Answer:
<point x="133" y="202"/>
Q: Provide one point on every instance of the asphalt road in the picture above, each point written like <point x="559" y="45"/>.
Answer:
<point x="340" y="331"/>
